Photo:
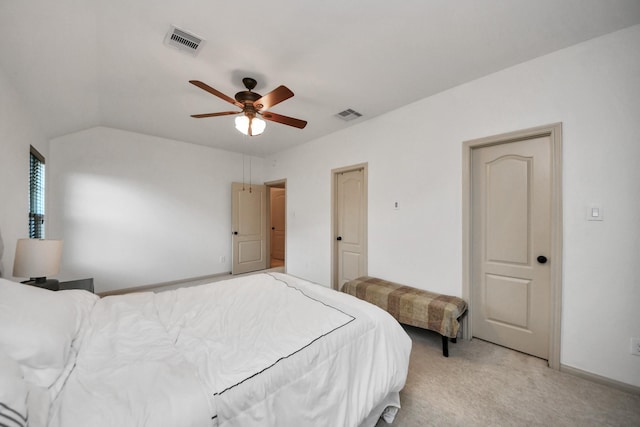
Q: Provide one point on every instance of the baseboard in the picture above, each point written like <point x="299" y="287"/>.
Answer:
<point x="600" y="379"/>
<point x="212" y="277"/>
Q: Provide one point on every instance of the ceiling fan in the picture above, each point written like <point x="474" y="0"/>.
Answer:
<point x="253" y="106"/>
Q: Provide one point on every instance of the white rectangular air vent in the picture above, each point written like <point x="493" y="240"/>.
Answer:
<point x="183" y="40"/>
<point x="347" y="115"/>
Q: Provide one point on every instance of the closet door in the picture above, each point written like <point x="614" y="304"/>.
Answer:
<point x="350" y="220"/>
<point x="512" y="243"/>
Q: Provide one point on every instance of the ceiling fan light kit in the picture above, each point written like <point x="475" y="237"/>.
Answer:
<point x="250" y="126"/>
<point x="253" y="105"/>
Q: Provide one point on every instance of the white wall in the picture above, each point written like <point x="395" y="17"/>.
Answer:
<point x="135" y="210"/>
<point x="414" y="157"/>
<point x="17" y="132"/>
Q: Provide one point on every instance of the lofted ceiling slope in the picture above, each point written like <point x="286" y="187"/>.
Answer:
<point x="84" y="63"/>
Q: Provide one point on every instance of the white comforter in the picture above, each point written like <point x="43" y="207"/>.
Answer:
<point x="261" y="350"/>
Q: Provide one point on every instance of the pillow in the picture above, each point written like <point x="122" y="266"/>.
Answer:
<point x="21" y="403"/>
<point x="37" y="328"/>
<point x="84" y="302"/>
<point x="13" y="393"/>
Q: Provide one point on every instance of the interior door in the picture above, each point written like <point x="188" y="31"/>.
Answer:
<point x="249" y="224"/>
<point x="511" y="242"/>
<point x="277" y="222"/>
<point x="350" y="225"/>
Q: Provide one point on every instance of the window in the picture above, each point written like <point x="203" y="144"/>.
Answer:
<point x="36" y="195"/>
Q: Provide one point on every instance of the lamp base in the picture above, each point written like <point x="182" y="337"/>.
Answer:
<point x="44" y="283"/>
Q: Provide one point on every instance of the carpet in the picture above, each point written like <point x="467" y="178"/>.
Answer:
<point x="482" y="384"/>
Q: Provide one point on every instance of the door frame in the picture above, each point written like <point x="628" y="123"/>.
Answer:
<point x="280" y="183"/>
<point x="554" y="132"/>
<point x="334" y="218"/>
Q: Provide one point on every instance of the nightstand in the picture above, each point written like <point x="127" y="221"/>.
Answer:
<point x="86" y="284"/>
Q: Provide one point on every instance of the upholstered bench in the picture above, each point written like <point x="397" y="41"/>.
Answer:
<point x="411" y="306"/>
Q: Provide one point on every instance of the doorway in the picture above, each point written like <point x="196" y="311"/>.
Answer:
<point x="512" y="240"/>
<point x="258" y="226"/>
<point x="277" y="221"/>
<point x="249" y="228"/>
<point x="349" y="223"/>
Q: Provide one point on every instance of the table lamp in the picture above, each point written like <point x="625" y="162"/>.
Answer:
<point x="37" y="259"/>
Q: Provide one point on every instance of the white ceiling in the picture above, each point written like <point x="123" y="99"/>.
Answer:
<point x="84" y="63"/>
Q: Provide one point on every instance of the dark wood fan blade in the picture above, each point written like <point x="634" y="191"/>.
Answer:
<point x="279" y="118"/>
<point x="215" y="92"/>
<point x="223" y="113"/>
<point x="274" y="97"/>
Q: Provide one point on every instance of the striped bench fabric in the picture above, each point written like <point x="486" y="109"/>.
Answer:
<point x="411" y="306"/>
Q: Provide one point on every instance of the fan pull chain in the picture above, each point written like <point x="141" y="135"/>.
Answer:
<point x="242" y="171"/>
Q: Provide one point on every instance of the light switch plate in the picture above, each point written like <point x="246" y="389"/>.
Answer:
<point x="595" y="213"/>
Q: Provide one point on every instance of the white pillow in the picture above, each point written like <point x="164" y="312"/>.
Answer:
<point x="37" y="328"/>
<point x="21" y="403"/>
<point x="13" y="393"/>
<point x="84" y="302"/>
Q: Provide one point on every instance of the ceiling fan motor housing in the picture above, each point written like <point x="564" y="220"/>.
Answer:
<point x="247" y="97"/>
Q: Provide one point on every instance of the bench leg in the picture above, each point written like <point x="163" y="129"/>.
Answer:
<point x="445" y="346"/>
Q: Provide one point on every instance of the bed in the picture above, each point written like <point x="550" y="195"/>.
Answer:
<point x="261" y="350"/>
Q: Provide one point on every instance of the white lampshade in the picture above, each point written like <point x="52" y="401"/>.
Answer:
<point x="37" y="258"/>
<point x="257" y="125"/>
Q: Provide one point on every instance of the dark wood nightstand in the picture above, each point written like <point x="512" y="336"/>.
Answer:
<point x="86" y="284"/>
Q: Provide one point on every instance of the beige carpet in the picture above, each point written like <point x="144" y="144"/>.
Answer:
<point x="482" y="384"/>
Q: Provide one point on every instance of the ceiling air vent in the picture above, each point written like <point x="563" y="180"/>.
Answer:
<point x="347" y="115"/>
<point x="183" y="40"/>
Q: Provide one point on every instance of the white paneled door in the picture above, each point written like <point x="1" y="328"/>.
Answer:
<point x="249" y="225"/>
<point x="511" y="222"/>
<point x="350" y="220"/>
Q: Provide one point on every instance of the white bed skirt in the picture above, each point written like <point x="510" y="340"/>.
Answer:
<point x="386" y="409"/>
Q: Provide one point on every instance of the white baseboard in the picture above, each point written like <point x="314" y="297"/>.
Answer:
<point x="600" y="379"/>
<point x="157" y="286"/>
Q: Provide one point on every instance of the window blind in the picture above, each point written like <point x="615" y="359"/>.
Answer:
<point x="36" y="195"/>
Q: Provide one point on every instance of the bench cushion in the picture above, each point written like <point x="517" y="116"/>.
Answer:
<point x="411" y="306"/>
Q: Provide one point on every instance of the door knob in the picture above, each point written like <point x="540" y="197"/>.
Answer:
<point x="542" y="259"/>
<point x="339" y="238"/>
<point x="235" y="232"/>
<point x="273" y="228"/>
